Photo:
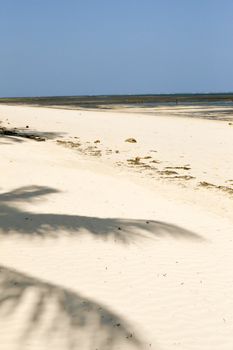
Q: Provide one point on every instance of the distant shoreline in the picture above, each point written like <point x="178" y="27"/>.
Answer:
<point x="213" y="99"/>
<point x="215" y="111"/>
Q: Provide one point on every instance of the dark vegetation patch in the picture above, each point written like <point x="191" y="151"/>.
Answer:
<point x="89" y="150"/>
<point x="178" y="167"/>
<point x="33" y="135"/>
<point x="135" y="161"/>
<point x="155" y="161"/>
<point x="8" y="132"/>
<point x="138" y="163"/>
<point x="111" y="100"/>
<point x="168" y="172"/>
<point x="131" y="140"/>
<point x="70" y="144"/>
<point x="182" y="177"/>
<point x="92" y="151"/>
<point x="222" y="188"/>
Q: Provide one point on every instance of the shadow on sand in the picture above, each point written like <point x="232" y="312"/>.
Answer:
<point x="60" y="314"/>
<point x="56" y="312"/>
<point x="28" y="224"/>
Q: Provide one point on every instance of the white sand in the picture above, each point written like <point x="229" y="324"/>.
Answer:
<point x="95" y="254"/>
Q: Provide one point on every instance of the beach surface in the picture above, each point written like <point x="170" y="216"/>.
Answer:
<point x="116" y="229"/>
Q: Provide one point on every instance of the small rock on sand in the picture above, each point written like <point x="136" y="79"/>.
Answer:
<point x="131" y="140"/>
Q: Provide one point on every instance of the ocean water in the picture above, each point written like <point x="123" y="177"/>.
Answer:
<point x="186" y="103"/>
<point x="201" y="103"/>
<point x="150" y="100"/>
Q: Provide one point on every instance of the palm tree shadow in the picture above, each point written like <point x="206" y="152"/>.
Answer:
<point x="76" y="319"/>
<point x="28" y="224"/>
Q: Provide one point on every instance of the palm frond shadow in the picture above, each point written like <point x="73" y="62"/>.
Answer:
<point x="28" y="224"/>
<point x="75" y="319"/>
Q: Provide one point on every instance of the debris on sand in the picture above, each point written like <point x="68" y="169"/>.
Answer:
<point x="222" y="188"/>
<point x="70" y="144"/>
<point x="168" y="172"/>
<point x="134" y="161"/>
<point x="155" y="161"/>
<point x="131" y="140"/>
<point x="10" y="132"/>
<point x="185" y="167"/>
<point x="182" y="177"/>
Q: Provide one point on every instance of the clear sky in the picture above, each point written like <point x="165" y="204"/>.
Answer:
<point x="79" y="47"/>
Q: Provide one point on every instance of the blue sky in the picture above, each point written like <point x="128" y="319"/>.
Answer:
<point x="79" y="47"/>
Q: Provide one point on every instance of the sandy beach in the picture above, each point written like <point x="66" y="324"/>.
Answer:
<point x="116" y="229"/>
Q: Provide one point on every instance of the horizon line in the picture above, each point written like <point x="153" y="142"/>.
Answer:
<point x="128" y="94"/>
